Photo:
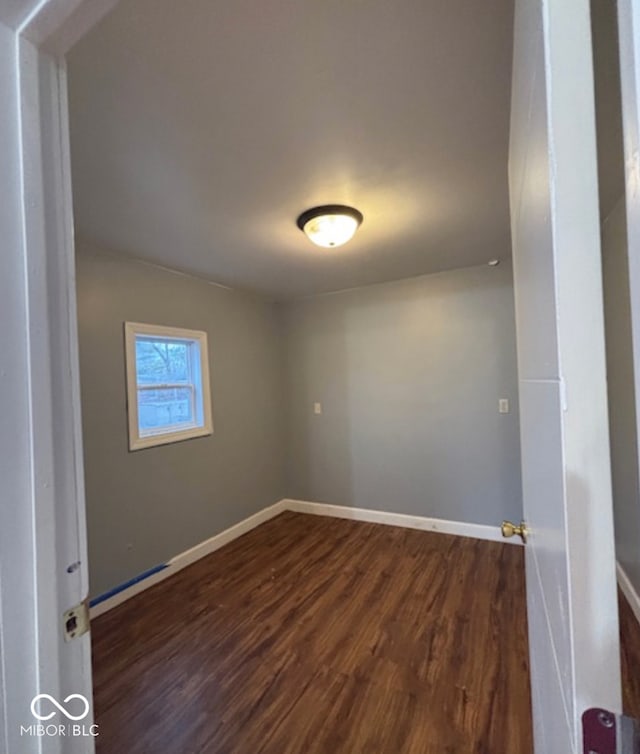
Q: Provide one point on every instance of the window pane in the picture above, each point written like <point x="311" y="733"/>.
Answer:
<point x="160" y="361"/>
<point x="167" y="382"/>
<point x="159" y="409"/>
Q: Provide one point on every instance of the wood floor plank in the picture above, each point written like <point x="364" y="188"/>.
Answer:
<point x="322" y="636"/>
<point x="630" y="651"/>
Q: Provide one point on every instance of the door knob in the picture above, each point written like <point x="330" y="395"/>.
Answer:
<point x="509" y="530"/>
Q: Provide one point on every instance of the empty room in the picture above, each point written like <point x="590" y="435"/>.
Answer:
<point x="336" y="356"/>
<point x="357" y="421"/>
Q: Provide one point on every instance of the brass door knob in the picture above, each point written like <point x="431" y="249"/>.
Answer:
<point x="509" y="530"/>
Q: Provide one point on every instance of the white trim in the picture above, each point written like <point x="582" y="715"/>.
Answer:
<point x="184" y="559"/>
<point x="131" y="591"/>
<point x="48" y="457"/>
<point x="424" y="523"/>
<point x="202" y="425"/>
<point x="629" y="591"/>
<point x="177" y="563"/>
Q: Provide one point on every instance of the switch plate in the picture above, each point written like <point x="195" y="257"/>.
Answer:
<point x="317" y="408"/>
<point x="503" y="405"/>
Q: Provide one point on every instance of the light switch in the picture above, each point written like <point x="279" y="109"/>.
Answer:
<point x="317" y="408"/>
<point x="503" y="405"/>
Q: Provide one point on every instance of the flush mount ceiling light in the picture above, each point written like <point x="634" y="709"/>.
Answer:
<point x="330" y="225"/>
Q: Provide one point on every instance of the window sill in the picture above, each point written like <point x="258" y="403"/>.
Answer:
<point x="151" y="441"/>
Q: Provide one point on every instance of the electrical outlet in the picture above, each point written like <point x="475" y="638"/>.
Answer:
<point x="503" y="405"/>
<point x="317" y="408"/>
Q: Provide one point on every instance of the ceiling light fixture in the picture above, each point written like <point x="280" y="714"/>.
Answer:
<point x="330" y="225"/>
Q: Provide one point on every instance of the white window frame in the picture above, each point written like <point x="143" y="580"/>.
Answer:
<point x="203" y="425"/>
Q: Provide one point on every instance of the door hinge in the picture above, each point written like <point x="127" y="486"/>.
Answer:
<point x="75" y="620"/>
<point x="604" y="732"/>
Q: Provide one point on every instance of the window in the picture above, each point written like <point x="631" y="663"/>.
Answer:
<point x="167" y="384"/>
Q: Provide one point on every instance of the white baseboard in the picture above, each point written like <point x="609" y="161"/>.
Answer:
<point x="226" y="536"/>
<point x="188" y="557"/>
<point x="177" y="563"/>
<point x="627" y="588"/>
<point x="458" y="528"/>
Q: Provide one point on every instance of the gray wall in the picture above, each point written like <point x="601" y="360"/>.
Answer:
<point x="146" y="506"/>
<point x="615" y="271"/>
<point x="409" y="375"/>
<point x="622" y="406"/>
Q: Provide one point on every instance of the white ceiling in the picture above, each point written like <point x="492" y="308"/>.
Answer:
<point x="201" y="129"/>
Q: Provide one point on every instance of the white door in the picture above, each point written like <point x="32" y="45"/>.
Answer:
<point x="570" y="557"/>
<point x="43" y="554"/>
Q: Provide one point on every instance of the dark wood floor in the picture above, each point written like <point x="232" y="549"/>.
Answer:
<point x="315" y="635"/>
<point x="630" y="654"/>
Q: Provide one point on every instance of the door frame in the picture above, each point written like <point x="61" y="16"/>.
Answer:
<point x="43" y="33"/>
<point x="629" y="50"/>
<point x="44" y="569"/>
<point x="567" y="499"/>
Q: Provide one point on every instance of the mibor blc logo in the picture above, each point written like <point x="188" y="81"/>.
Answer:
<point x="45" y="707"/>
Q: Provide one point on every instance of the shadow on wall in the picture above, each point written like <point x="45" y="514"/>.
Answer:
<point x="409" y="375"/>
<point x="146" y="506"/>
<point x="320" y="444"/>
<point x="621" y="391"/>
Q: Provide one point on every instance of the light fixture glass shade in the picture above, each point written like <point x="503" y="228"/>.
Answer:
<point x="330" y="226"/>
